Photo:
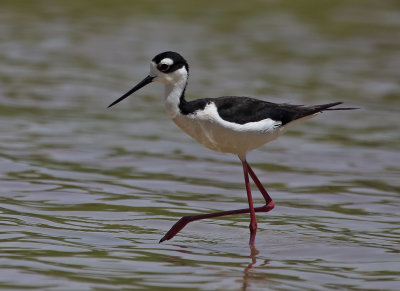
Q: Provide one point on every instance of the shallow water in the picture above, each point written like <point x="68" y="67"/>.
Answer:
<point x="87" y="192"/>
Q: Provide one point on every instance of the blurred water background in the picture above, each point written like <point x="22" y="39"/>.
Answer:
<point x="86" y="192"/>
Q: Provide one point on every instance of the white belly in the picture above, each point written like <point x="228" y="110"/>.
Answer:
<point x="210" y="130"/>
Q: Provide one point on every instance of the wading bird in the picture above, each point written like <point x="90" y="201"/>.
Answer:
<point x="227" y="124"/>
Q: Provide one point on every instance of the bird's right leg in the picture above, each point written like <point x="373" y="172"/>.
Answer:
<point x="269" y="203"/>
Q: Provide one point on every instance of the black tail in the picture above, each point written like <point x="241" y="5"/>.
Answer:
<point x="319" y="108"/>
<point x="327" y="107"/>
<point x="303" y="111"/>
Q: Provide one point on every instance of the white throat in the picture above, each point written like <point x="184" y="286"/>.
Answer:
<point x="175" y="84"/>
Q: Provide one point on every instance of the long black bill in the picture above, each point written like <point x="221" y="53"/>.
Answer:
<point x="143" y="83"/>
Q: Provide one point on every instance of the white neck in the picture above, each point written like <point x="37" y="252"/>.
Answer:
<point x="173" y="91"/>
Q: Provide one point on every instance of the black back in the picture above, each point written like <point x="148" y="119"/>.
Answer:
<point x="242" y="110"/>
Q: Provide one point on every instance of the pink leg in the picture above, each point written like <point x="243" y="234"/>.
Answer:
<point x="269" y="205"/>
<point x="253" y="220"/>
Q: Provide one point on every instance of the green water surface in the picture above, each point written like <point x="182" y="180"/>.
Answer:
<point x="86" y="192"/>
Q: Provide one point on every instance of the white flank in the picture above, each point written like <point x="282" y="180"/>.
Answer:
<point x="209" y="129"/>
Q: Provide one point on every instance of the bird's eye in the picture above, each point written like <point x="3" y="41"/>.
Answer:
<point x="163" y="67"/>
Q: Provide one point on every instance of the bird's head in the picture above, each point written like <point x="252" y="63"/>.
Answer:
<point x="168" y="67"/>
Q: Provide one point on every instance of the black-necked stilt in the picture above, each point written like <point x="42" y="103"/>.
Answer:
<point x="231" y="124"/>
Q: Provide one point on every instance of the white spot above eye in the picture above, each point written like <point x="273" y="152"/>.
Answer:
<point x="167" y="61"/>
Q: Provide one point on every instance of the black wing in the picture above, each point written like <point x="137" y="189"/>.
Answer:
<point x="244" y="109"/>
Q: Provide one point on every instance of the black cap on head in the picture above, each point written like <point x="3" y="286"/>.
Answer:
<point x="178" y="61"/>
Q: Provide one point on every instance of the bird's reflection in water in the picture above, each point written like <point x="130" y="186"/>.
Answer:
<point x="249" y="274"/>
<point x="250" y="267"/>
